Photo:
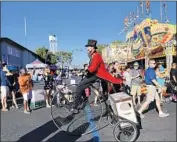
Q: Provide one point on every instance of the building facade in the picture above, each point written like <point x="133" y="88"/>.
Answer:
<point x="15" y="54"/>
<point x="120" y="52"/>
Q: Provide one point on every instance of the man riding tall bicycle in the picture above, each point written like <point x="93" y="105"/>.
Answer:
<point x="96" y="70"/>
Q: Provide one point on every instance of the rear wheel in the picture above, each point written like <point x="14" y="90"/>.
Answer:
<point x="125" y="131"/>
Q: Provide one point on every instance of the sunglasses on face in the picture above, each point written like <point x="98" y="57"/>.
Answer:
<point x="153" y="63"/>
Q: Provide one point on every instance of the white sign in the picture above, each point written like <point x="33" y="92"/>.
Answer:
<point x="14" y="52"/>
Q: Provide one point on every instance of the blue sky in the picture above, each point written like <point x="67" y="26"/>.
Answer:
<point x="72" y="22"/>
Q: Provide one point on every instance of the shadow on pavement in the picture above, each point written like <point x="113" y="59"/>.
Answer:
<point x="69" y="138"/>
<point x="39" y="133"/>
<point x="94" y="139"/>
<point x="45" y="130"/>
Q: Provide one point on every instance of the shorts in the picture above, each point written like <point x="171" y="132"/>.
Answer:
<point x="27" y="96"/>
<point x="151" y="93"/>
<point x="135" y="89"/>
<point x="4" y="91"/>
<point x="12" y="89"/>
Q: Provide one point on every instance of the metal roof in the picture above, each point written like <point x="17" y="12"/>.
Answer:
<point x="5" y="39"/>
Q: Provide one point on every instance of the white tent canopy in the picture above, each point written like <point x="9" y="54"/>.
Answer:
<point x="36" y="64"/>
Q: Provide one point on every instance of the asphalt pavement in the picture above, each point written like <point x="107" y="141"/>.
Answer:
<point x="38" y="126"/>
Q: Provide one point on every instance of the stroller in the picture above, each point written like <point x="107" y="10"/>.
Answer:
<point x="171" y="90"/>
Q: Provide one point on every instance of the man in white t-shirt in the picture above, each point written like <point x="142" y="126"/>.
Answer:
<point x="127" y="79"/>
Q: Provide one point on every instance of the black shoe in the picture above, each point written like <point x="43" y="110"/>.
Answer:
<point x="75" y="111"/>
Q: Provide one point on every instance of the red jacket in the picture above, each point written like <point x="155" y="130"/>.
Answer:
<point x="97" y="66"/>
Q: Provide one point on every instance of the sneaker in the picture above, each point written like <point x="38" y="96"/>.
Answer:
<point x="141" y="115"/>
<point x="12" y="107"/>
<point x="26" y="112"/>
<point x="75" y="111"/>
<point x="29" y="110"/>
<point x="163" y="114"/>
<point x="95" y="104"/>
<point x="48" y="106"/>
<point x="4" y="109"/>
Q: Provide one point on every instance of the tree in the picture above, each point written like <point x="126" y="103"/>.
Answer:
<point x="101" y="47"/>
<point x="116" y="42"/>
<point x="41" y="52"/>
<point x="63" y="56"/>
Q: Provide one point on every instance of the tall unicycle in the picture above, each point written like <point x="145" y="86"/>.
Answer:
<point x="88" y="118"/>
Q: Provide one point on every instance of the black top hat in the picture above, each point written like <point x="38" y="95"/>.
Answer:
<point x="91" y="43"/>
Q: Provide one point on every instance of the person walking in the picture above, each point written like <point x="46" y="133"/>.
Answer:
<point x="136" y="81"/>
<point x="152" y="85"/>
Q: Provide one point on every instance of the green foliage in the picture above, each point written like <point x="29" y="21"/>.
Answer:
<point x="101" y="47"/>
<point x="116" y="42"/>
<point x="65" y="56"/>
<point x="41" y="52"/>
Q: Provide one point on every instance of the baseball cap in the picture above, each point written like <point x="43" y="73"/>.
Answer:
<point x="136" y="64"/>
<point x="23" y="71"/>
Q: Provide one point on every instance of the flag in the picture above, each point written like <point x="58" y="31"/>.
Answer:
<point x="126" y="21"/>
<point x="165" y="9"/>
<point x="130" y="17"/>
<point x="135" y="35"/>
<point x="137" y="12"/>
<point x="147" y="6"/>
<point x="142" y="8"/>
<point x="161" y="14"/>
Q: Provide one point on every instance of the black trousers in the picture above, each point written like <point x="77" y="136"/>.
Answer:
<point x="85" y="83"/>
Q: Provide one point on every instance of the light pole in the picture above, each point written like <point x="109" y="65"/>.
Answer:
<point x="169" y="53"/>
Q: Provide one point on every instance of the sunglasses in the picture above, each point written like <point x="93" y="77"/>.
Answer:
<point x="153" y="63"/>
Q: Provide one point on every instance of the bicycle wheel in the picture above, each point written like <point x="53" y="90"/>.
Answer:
<point x="77" y="124"/>
<point x="125" y="131"/>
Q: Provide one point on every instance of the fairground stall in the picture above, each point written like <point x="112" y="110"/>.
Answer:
<point x="152" y="39"/>
<point x="36" y="64"/>
<point x="117" y="52"/>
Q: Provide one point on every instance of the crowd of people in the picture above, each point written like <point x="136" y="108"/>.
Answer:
<point x="135" y="79"/>
<point x="19" y="82"/>
<point x="152" y="79"/>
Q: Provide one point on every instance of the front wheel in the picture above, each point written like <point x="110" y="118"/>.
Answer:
<point x="125" y="131"/>
<point x="86" y="121"/>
